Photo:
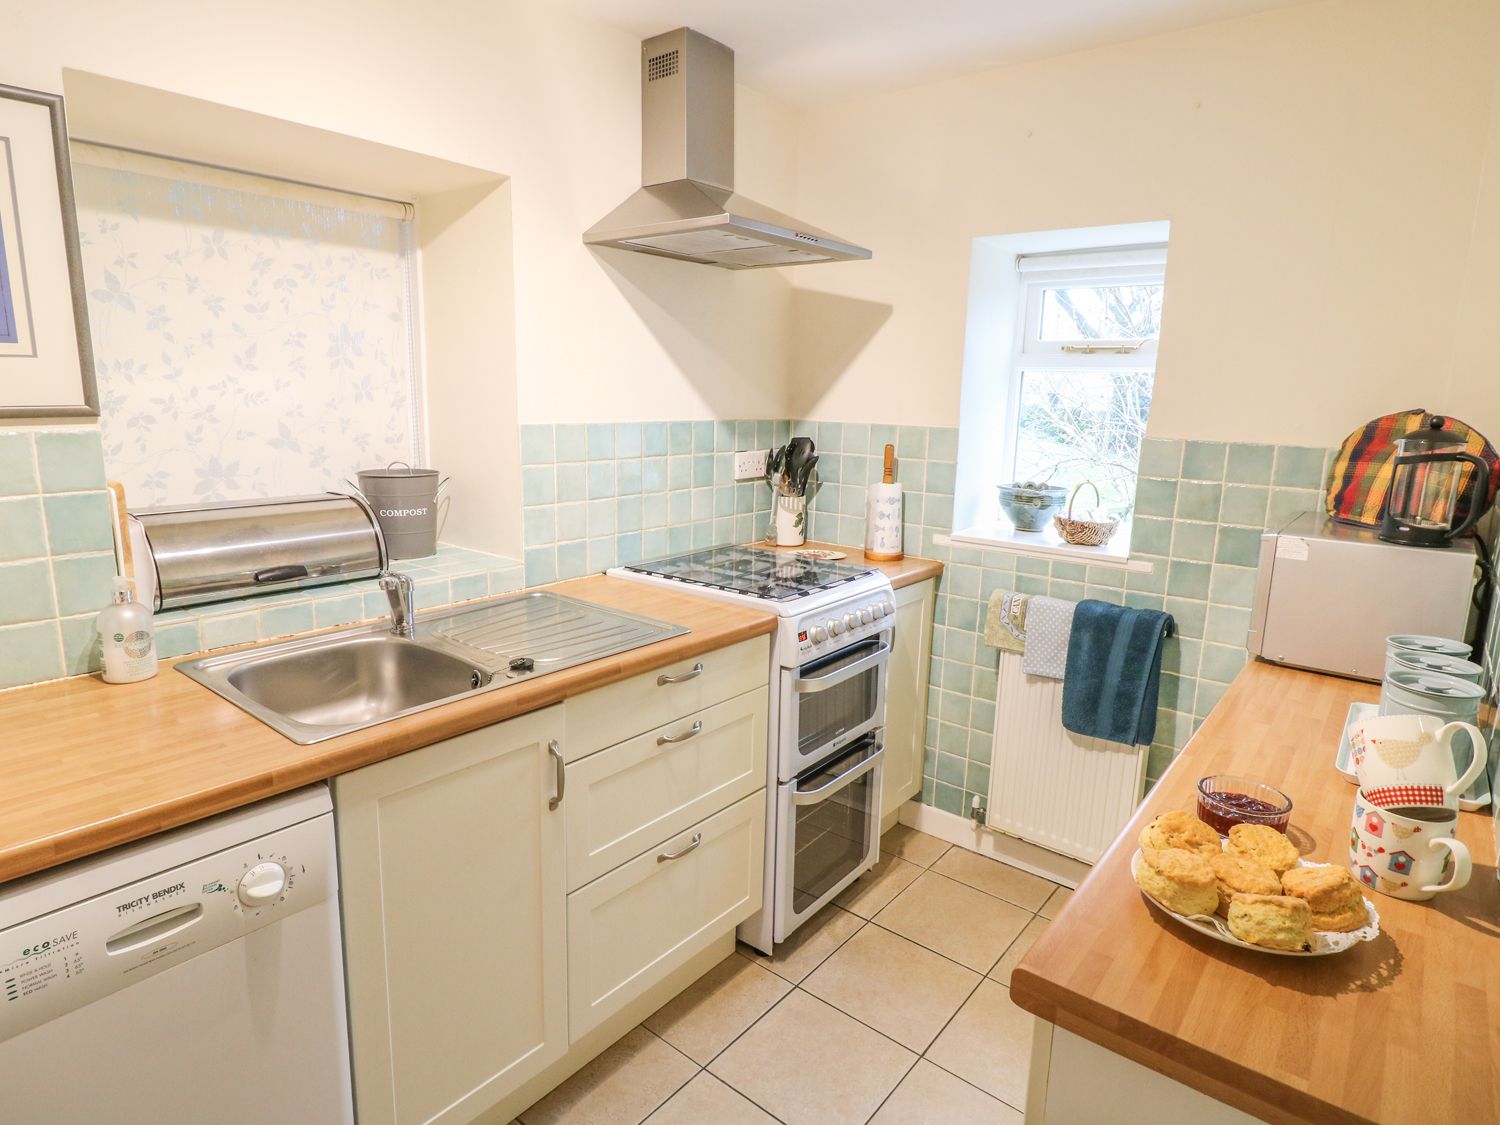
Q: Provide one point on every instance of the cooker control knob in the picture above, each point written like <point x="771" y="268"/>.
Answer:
<point x="887" y="608"/>
<point x="851" y="620"/>
<point x="262" y="884"/>
<point x="835" y="627"/>
<point x="818" y="634"/>
<point x="865" y="616"/>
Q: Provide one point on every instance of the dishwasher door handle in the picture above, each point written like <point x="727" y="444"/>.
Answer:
<point x="153" y="929"/>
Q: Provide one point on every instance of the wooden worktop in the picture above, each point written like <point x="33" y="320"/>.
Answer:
<point x="86" y="765"/>
<point x="1403" y="1029"/>
<point x="903" y="572"/>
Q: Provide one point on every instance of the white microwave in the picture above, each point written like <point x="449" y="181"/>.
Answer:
<point x="1327" y="595"/>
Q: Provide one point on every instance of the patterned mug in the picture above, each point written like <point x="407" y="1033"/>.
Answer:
<point x="1411" y="760"/>
<point x="1406" y="852"/>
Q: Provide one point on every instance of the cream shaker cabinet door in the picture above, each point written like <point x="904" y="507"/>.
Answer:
<point x="906" y="695"/>
<point x="451" y="865"/>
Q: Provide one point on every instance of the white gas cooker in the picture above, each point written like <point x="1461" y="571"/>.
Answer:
<point x="823" y="605"/>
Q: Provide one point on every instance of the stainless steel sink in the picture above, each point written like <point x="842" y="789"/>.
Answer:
<point x="319" y="687"/>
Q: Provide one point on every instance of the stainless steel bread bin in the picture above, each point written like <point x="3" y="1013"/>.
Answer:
<point x="210" y="552"/>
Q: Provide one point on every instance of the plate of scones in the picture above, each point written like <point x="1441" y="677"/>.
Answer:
<point x="1251" y="889"/>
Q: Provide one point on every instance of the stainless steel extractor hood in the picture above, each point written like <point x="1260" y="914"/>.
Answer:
<point x="687" y="207"/>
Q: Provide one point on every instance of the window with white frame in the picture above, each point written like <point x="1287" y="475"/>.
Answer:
<point x="1081" y="371"/>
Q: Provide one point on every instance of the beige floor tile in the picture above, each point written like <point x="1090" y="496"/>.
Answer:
<point x="893" y="985"/>
<point x="705" y="1018"/>
<point x="810" y="945"/>
<point x="913" y="846"/>
<point x="953" y="919"/>
<point x="707" y="1101"/>
<point x="809" y="1064"/>
<point x="1003" y="967"/>
<point x="622" y="1085"/>
<point x="877" y="886"/>
<point x="988" y="1044"/>
<point x="995" y="878"/>
<point x="930" y="1095"/>
<point x="1055" y="902"/>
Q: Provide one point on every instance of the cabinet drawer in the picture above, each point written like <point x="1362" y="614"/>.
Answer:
<point x="630" y="797"/>
<point x="629" y="929"/>
<point x="608" y="715"/>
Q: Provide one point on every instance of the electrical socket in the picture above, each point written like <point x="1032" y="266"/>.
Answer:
<point x="751" y="465"/>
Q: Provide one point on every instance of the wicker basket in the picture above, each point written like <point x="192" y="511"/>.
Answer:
<point x="1085" y="533"/>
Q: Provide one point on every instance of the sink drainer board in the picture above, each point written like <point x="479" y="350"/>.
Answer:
<point x="551" y="630"/>
<point x="319" y="687"/>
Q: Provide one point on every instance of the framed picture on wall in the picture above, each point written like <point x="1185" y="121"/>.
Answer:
<point x="46" y="360"/>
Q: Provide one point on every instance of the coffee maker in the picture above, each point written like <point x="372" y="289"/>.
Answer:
<point x="1427" y="478"/>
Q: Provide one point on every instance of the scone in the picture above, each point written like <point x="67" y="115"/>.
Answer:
<point x="1336" y="902"/>
<point x="1180" y="880"/>
<point x="1178" y="829"/>
<point x="1274" y="921"/>
<point x="1237" y="874"/>
<point x="1264" y="845"/>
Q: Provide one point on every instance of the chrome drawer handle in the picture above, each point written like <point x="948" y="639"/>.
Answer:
<point x="693" y="843"/>
<point x="562" y="774"/>
<point x="663" y="680"/>
<point x="693" y="732"/>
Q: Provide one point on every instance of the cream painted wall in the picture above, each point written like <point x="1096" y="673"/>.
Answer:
<point x="1319" y="166"/>
<point x="519" y="88"/>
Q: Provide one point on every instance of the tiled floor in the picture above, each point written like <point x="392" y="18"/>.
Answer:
<point x="891" y="1007"/>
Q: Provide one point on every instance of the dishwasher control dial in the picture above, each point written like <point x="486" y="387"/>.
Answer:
<point x="262" y="884"/>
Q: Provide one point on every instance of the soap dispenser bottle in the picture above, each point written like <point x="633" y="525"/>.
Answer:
<point x="126" y="640"/>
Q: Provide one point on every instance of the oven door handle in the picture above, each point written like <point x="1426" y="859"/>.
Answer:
<point x="805" y="685"/>
<point x="848" y="777"/>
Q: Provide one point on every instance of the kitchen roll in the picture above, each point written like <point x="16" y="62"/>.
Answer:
<point x="883" y="521"/>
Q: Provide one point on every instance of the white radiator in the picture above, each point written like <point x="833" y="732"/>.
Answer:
<point x="1056" y="789"/>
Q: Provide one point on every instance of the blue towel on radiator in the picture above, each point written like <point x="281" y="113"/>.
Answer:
<point x="1113" y="674"/>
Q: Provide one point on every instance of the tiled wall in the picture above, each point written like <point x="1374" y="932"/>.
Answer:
<point x="602" y="494"/>
<point x="454" y="574"/>
<point x="1202" y="507"/>
<point x="57" y="565"/>
<point x="57" y="559"/>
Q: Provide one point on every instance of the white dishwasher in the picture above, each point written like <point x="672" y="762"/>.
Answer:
<point x="190" y="978"/>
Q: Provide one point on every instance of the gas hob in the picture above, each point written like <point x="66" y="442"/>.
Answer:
<point x="786" y="583"/>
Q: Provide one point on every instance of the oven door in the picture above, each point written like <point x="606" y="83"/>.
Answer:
<point x="829" y="823"/>
<point x="831" y="702"/>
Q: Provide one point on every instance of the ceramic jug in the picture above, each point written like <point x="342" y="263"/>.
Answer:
<point x="1410" y="759"/>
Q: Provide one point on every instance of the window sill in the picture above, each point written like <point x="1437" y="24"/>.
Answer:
<point x="1048" y="545"/>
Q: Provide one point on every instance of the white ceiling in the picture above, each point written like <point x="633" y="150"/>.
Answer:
<point x="809" y="51"/>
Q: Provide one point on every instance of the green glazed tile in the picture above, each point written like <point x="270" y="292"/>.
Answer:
<point x="1197" y="501"/>
<point x="856" y="437"/>
<point x="1286" y="503"/>
<point x="26" y="592"/>
<point x="572" y="442"/>
<point x="942" y="443"/>
<point x="679" y="437"/>
<point x="17" y="467"/>
<point x="1155" y="497"/>
<point x="1238" y="545"/>
<point x="601" y="441"/>
<point x="1188" y="579"/>
<point x="627" y="439"/>
<point x="78" y="521"/>
<point x="30" y="654"/>
<point x="1066" y="591"/>
<point x="1298" y="466"/>
<point x="1189" y="615"/>
<point x="84" y="582"/>
<point x="1233" y="586"/>
<point x="912" y="442"/>
<point x="539" y="526"/>
<point x="1227" y="625"/>
<point x="240" y="628"/>
<point x="541" y="565"/>
<point x="538" y="486"/>
<point x="1203" y="460"/>
<point x="1143" y="601"/>
<point x="1194" y="540"/>
<point x="601" y="479"/>
<point x="288" y="620"/>
<point x="1209" y="694"/>
<point x="1153" y="581"/>
<point x="1151" y="536"/>
<point x="948" y="798"/>
<point x="1249" y="464"/>
<point x="537" y="447"/>
<point x="571" y="522"/>
<point x="326" y="612"/>
<point x="21" y="533"/>
<point x="1069" y="571"/>
<point x="70" y="460"/>
<point x="1244" y="505"/>
<point x="177" y="639"/>
<point x="940" y="477"/>
<point x="1221" y="663"/>
<point x="654" y="439"/>
<point x="1161" y="458"/>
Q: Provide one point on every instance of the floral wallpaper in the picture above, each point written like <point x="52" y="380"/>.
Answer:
<point x="247" y="344"/>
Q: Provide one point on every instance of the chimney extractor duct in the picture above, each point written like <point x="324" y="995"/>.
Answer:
<point x="687" y="207"/>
